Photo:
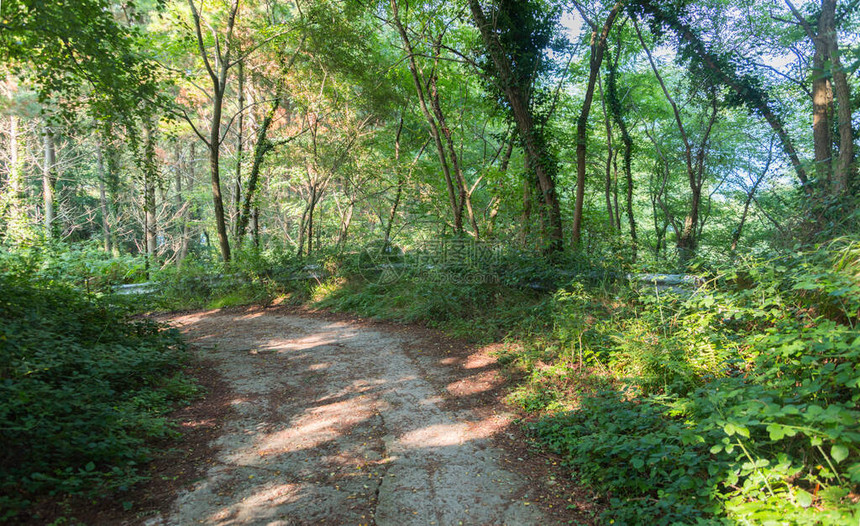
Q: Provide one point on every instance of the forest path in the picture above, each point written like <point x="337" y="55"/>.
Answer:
<point x="336" y="421"/>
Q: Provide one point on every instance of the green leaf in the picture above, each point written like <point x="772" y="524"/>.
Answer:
<point x="776" y="431"/>
<point x="637" y="462"/>
<point x="839" y="453"/>
<point x="804" y="499"/>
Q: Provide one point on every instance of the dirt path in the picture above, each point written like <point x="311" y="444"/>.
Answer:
<point x="336" y="422"/>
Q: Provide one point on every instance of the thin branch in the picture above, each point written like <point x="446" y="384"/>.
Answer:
<point x="200" y="45"/>
<point x="803" y="22"/>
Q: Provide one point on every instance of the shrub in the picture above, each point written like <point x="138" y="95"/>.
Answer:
<point x="81" y="390"/>
<point x="736" y="402"/>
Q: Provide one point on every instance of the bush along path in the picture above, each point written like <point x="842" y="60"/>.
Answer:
<point x="337" y="422"/>
<point x="84" y="393"/>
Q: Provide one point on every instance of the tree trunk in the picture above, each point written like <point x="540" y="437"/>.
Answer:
<point x="237" y="191"/>
<point x="456" y="209"/>
<point x="608" y="175"/>
<point x="214" y="170"/>
<point x="218" y="76"/>
<point x="149" y="181"/>
<point x="16" y="185"/>
<point x="103" y="204"/>
<point x="686" y="242"/>
<point x="262" y="147"/>
<point x="496" y="202"/>
<point x="48" y="180"/>
<point x="845" y="169"/>
<point x="598" y="46"/>
<point x="822" y="100"/>
<point x="541" y="162"/>
<point x="755" y="98"/>
<point x="255" y="226"/>
<point x="181" y="206"/>
<point x="615" y="191"/>
<point x="736" y="235"/>
<point x="617" y="111"/>
<point x="464" y="199"/>
<point x="345" y="223"/>
<point x="400" y="181"/>
<point x="311" y="205"/>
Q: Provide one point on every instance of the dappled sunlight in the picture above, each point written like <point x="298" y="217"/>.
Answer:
<point x="434" y="436"/>
<point x="314" y="427"/>
<point x="478" y="360"/>
<point x="260" y="505"/>
<point x="331" y="419"/>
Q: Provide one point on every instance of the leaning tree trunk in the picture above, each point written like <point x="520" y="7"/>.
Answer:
<point x="261" y="148"/>
<point x="435" y="133"/>
<point x="537" y="155"/>
<point x="598" y="46"/>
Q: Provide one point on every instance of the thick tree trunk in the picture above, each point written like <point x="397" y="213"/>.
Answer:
<point x="539" y="160"/>
<point x="822" y="99"/>
<point x="214" y="170"/>
<point x="48" y="180"/>
<point x="845" y="169"/>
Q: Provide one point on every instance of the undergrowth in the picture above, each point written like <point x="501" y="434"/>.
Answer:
<point x="730" y="402"/>
<point x="82" y="390"/>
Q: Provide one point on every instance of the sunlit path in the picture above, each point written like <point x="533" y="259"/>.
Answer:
<point x="335" y="423"/>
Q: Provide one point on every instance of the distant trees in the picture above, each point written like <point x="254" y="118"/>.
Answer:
<point x="327" y="124"/>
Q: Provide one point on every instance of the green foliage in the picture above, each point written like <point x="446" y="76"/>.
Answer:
<point x="81" y="391"/>
<point x="82" y="265"/>
<point x="70" y="44"/>
<point x="737" y="401"/>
